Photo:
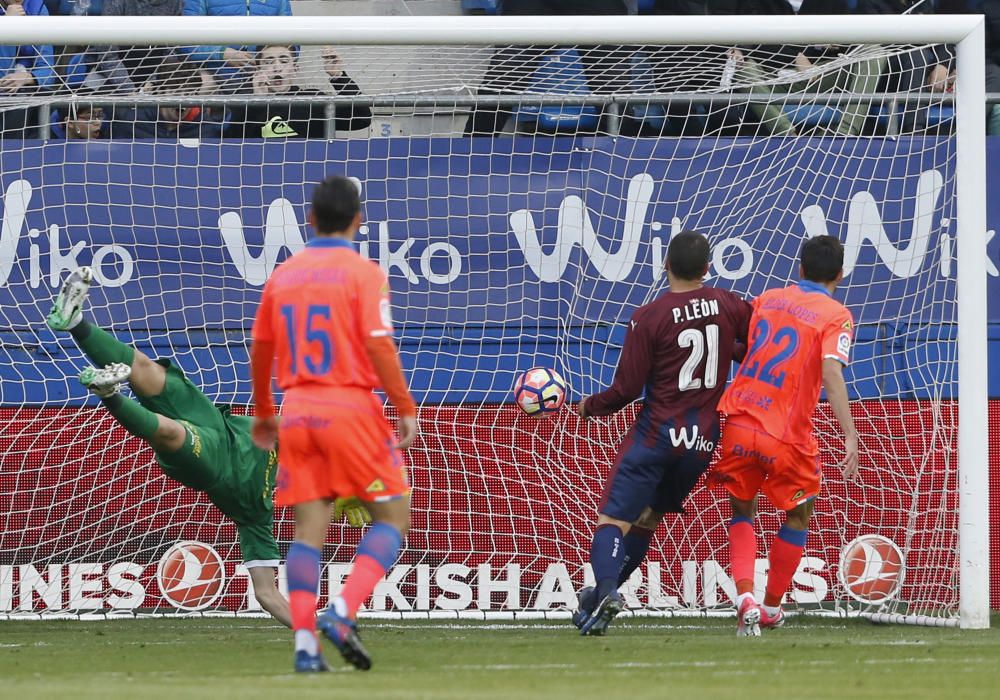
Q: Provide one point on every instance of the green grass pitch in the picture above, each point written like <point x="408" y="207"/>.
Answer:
<point x="232" y="658"/>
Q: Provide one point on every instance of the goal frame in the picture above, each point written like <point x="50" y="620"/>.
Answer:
<point x="964" y="31"/>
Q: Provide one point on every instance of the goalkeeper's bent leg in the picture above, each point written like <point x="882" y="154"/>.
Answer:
<point x="147" y="378"/>
<point x="137" y="420"/>
<point x="100" y="346"/>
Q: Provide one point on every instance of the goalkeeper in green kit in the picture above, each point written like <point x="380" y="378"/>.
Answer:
<point x="197" y="443"/>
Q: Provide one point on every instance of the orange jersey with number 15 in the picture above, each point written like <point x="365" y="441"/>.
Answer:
<point x="318" y="308"/>
<point x="792" y="331"/>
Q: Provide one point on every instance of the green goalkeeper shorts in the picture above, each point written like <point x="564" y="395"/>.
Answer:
<point x="205" y="457"/>
<point x="182" y="400"/>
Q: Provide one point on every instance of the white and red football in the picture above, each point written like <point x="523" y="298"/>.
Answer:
<point x="540" y="390"/>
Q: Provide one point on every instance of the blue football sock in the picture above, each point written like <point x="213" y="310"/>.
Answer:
<point x="302" y="567"/>
<point x="636" y="545"/>
<point x="606" y="554"/>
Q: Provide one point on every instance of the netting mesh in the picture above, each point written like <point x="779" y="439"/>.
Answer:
<point x="503" y="254"/>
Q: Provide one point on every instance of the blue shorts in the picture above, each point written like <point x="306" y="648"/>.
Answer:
<point x="652" y="473"/>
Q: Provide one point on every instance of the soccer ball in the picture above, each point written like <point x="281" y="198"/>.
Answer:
<point x="540" y="390"/>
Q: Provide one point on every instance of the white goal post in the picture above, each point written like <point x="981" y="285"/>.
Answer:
<point x="969" y="227"/>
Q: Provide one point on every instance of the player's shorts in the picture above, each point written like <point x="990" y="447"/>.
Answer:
<point x="752" y="460"/>
<point x="337" y="444"/>
<point x="652" y="474"/>
<point x="257" y="544"/>
<point x="203" y="459"/>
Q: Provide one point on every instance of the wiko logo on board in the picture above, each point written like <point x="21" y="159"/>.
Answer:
<point x="113" y="265"/>
<point x="282" y="230"/>
<point x="574" y="227"/>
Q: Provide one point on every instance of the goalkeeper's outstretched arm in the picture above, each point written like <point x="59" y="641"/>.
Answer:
<point x="265" y="590"/>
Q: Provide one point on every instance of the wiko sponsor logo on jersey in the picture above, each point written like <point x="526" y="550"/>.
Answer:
<point x="687" y="437"/>
<point x="50" y="253"/>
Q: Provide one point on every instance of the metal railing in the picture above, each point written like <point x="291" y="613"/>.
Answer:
<point x="612" y="104"/>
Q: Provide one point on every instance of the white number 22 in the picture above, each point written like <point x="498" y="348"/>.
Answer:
<point x="694" y="339"/>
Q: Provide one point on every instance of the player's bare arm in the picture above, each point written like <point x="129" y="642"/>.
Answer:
<point x="385" y="359"/>
<point x="265" y="424"/>
<point x="265" y="590"/>
<point x="836" y="394"/>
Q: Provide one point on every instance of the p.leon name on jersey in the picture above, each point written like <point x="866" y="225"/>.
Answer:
<point x="695" y="309"/>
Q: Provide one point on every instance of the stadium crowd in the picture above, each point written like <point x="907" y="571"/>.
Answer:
<point x="79" y="76"/>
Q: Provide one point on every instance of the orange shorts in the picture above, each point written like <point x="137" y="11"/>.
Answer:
<point x="751" y="460"/>
<point x="337" y="445"/>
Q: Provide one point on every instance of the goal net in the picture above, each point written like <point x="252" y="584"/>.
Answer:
<point x="520" y="197"/>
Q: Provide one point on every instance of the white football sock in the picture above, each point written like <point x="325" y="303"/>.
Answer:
<point x="305" y="640"/>
<point x="743" y="596"/>
<point x="339" y="606"/>
<point x="772" y="610"/>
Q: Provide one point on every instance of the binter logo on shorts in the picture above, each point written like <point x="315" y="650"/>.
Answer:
<point x="190" y="575"/>
<point x="872" y="569"/>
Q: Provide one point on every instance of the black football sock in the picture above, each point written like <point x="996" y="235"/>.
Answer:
<point x="636" y="545"/>
<point x="606" y="554"/>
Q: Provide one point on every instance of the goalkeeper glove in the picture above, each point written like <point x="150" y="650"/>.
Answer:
<point x="355" y="511"/>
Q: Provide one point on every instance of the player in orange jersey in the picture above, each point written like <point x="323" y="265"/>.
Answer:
<point x="325" y="315"/>
<point x="800" y="339"/>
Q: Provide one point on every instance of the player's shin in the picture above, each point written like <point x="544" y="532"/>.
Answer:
<point x="742" y="554"/>
<point x="137" y="420"/>
<point x="607" y="553"/>
<point x="303" y="567"/>
<point x="785" y="555"/>
<point x="100" y="346"/>
<point x="377" y="552"/>
<point x="636" y="544"/>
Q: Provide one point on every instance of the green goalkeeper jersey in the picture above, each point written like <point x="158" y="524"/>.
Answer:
<point x="219" y="459"/>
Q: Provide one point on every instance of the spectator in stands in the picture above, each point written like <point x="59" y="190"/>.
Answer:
<point x="180" y="78"/>
<point x="511" y="68"/>
<point x="789" y="69"/>
<point x="122" y="69"/>
<point x="913" y="71"/>
<point x="228" y="61"/>
<point x="74" y="7"/>
<point x="24" y="70"/>
<point x="275" y="74"/>
<point x="84" y="121"/>
<point x="990" y="9"/>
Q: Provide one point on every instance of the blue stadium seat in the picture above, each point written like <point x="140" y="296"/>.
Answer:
<point x="812" y="115"/>
<point x="652" y="116"/>
<point x="939" y="114"/>
<point x="485" y="7"/>
<point x="560" y="73"/>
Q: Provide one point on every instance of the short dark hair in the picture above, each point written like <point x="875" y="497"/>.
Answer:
<point x="176" y="76"/>
<point x="822" y="259"/>
<point x="687" y="255"/>
<point x="335" y="203"/>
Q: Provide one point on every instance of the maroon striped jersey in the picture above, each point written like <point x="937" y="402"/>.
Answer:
<point x="678" y="351"/>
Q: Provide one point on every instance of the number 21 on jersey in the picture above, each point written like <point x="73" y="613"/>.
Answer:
<point x="698" y="342"/>
<point x="317" y="351"/>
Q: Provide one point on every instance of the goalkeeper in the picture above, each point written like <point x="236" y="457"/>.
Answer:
<point x="197" y="443"/>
